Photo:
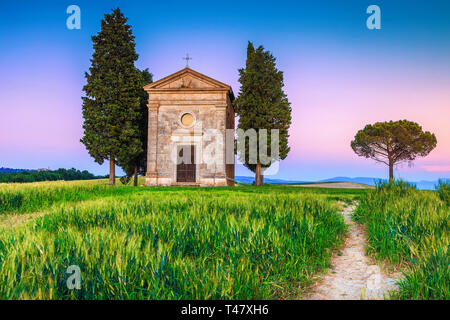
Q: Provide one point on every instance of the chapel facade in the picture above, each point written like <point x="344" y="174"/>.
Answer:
<point x="190" y="120"/>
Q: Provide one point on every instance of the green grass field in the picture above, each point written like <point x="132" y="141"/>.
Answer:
<point x="410" y="229"/>
<point x="166" y="243"/>
<point x="244" y="242"/>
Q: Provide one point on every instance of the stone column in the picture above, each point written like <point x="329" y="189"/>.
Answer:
<point x="151" y="177"/>
<point x="220" y="123"/>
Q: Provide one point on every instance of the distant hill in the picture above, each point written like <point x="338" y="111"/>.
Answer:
<point x="363" y="180"/>
<point x="10" y="170"/>
<point x="422" y="185"/>
<point x="8" y="175"/>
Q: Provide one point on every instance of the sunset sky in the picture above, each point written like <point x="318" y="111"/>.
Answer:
<point x="339" y="76"/>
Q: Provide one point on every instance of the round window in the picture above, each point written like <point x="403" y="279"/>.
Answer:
<point x="187" y="119"/>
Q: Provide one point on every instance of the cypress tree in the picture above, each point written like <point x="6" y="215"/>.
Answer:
<point x="113" y="92"/>
<point x="262" y="104"/>
<point x="134" y="160"/>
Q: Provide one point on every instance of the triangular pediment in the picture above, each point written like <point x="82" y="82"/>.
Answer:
<point x="187" y="79"/>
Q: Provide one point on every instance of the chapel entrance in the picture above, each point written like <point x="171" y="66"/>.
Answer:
<point x="186" y="163"/>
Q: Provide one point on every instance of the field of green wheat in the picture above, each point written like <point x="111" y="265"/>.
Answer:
<point x="410" y="229"/>
<point x="166" y="243"/>
<point x="239" y="242"/>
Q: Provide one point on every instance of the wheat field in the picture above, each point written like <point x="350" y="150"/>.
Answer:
<point x="246" y="242"/>
<point x="166" y="243"/>
<point x="409" y="228"/>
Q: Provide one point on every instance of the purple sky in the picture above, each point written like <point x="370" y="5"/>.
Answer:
<point x="339" y="75"/>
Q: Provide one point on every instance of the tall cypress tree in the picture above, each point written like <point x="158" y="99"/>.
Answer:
<point x="262" y="104"/>
<point x="113" y="92"/>
<point x="133" y="160"/>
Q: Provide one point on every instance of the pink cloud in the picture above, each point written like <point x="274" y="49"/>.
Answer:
<point x="437" y="168"/>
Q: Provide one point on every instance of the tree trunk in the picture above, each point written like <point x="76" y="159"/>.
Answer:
<point x="261" y="179"/>
<point x="258" y="175"/>
<point x="112" y="172"/>
<point x="391" y="172"/>
<point x="135" y="176"/>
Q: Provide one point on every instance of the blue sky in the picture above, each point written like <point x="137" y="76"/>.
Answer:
<point x="339" y="75"/>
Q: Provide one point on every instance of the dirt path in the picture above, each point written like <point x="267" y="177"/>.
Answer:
<point x="353" y="275"/>
<point x="12" y="220"/>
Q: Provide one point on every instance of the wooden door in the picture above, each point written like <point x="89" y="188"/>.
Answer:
<point x="186" y="171"/>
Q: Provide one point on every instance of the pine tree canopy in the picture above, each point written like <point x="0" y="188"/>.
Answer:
<point x="393" y="142"/>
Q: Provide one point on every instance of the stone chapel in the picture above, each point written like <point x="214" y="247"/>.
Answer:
<point x="183" y="108"/>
